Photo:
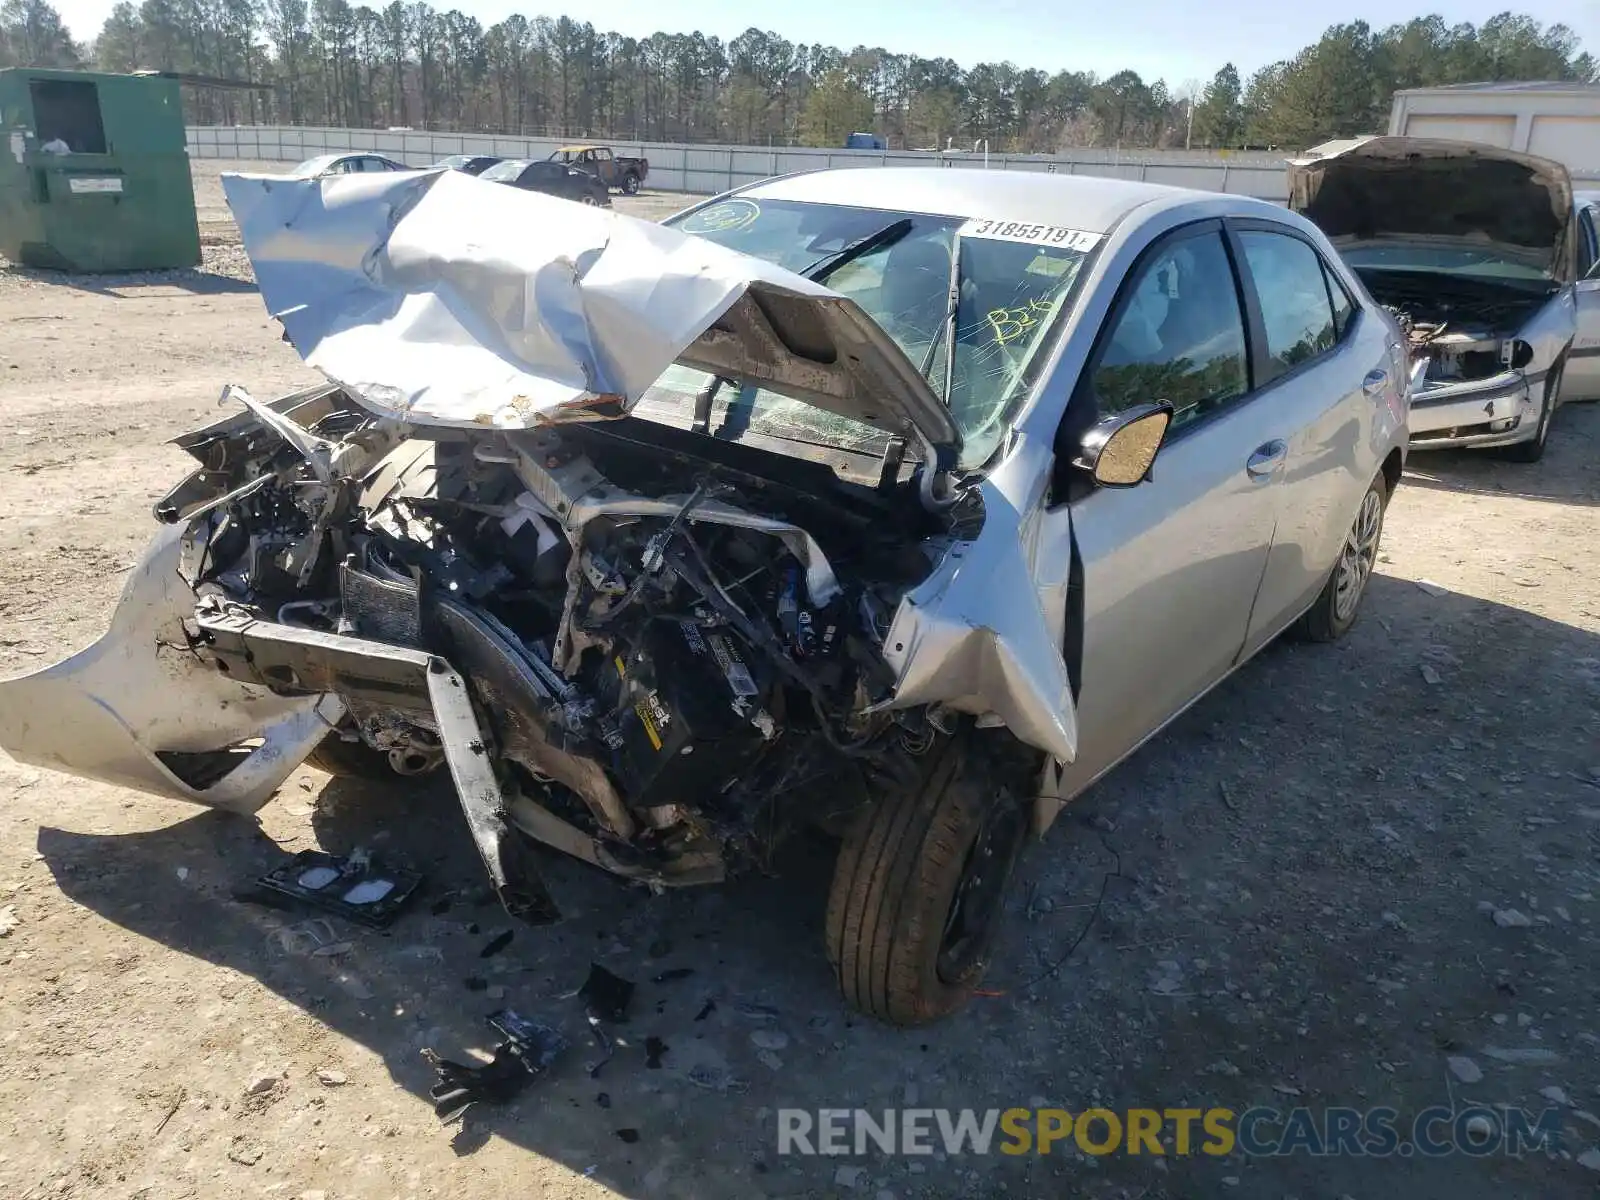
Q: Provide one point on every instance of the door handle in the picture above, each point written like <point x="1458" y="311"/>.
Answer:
<point x="1375" y="382"/>
<point x="1261" y="465"/>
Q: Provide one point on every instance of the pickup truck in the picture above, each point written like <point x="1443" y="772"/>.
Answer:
<point x="625" y="174"/>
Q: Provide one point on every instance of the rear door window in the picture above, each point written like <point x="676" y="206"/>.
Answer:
<point x="1293" y="291"/>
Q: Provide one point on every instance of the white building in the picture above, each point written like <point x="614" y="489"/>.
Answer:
<point x="1555" y="120"/>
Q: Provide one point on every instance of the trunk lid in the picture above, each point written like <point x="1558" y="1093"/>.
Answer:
<point x="1442" y="193"/>
<point x="440" y="299"/>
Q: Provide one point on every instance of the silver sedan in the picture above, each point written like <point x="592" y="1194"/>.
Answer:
<point x="901" y="504"/>
<point x="1492" y="266"/>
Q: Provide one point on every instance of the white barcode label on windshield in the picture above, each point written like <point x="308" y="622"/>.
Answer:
<point x="1035" y="234"/>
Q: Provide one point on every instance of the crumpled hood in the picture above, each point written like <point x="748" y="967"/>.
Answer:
<point x="441" y="299"/>
<point x="1428" y="188"/>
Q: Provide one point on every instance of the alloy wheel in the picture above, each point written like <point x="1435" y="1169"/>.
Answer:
<point x="1360" y="553"/>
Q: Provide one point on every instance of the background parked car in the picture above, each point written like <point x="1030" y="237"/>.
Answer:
<point x="1487" y="261"/>
<point x="553" y="178"/>
<point x="470" y="164"/>
<point x="621" y="172"/>
<point x="345" y="164"/>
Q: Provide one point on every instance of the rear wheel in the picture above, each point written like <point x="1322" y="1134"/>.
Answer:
<point x="919" y="889"/>
<point x="630" y="185"/>
<point x="1339" y="603"/>
<point x="1532" y="450"/>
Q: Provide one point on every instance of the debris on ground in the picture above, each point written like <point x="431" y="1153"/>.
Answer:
<point x="8" y="920"/>
<point x="357" y="887"/>
<point x="1510" y="918"/>
<point x="628" y="1135"/>
<point x="673" y="975"/>
<point x="262" y="1084"/>
<point x="1464" y="1069"/>
<point x="331" y="1078"/>
<point x="1531" y="1056"/>
<point x="605" y="996"/>
<point x="497" y="943"/>
<point x="526" y="1053"/>
<point x="654" y="1050"/>
<point x="245" y="1153"/>
<point x="850" y="1177"/>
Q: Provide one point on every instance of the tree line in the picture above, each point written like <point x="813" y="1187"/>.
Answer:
<point x="327" y="62"/>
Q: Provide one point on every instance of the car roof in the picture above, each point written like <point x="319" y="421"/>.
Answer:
<point x="1085" y="202"/>
<point x="576" y="149"/>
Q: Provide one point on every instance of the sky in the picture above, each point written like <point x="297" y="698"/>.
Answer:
<point x="1190" y="40"/>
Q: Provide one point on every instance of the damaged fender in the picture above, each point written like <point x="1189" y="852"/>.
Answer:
<point x="140" y="709"/>
<point x="983" y="634"/>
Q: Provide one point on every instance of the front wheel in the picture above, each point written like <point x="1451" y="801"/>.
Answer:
<point x="1339" y="603"/>
<point x="588" y="199"/>
<point x="1532" y="450"/>
<point x="919" y="889"/>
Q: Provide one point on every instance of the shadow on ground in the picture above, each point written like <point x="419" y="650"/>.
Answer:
<point x="127" y="286"/>
<point x="1296" y="924"/>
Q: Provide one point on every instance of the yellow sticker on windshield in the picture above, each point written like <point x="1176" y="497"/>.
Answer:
<point x="1009" y="324"/>
<point x="1063" y="236"/>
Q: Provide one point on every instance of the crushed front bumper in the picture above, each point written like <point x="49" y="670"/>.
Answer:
<point x="1499" y="411"/>
<point x="139" y="709"/>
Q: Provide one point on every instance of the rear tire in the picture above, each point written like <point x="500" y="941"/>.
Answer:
<point x="918" y="891"/>
<point x="1532" y="450"/>
<point x="630" y="185"/>
<point x="1339" y="604"/>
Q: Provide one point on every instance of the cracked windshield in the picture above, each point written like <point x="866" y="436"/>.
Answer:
<point x="897" y="267"/>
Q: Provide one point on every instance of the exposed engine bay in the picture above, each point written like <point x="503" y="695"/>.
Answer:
<point x="674" y="661"/>
<point x="1465" y="333"/>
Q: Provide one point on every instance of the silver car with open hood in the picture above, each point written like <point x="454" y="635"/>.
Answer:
<point x="896" y="504"/>
<point x="1490" y="266"/>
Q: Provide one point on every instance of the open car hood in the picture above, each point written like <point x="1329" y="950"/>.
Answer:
<point x="1386" y="188"/>
<point x="440" y="299"/>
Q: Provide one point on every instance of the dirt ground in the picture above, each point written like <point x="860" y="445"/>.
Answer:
<point x="1344" y="869"/>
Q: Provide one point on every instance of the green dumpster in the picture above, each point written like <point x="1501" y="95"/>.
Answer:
<point x="94" y="175"/>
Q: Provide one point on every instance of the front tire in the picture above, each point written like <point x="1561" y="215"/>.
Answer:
<point x="1532" y="450"/>
<point x="919" y="889"/>
<point x="1337" y="606"/>
<point x="356" y="760"/>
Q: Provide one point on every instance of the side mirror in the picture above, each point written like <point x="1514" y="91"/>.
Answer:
<point x="1120" y="450"/>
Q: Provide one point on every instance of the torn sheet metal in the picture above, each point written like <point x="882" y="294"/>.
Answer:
<point x="983" y="633"/>
<point x="442" y="299"/>
<point x="139" y="708"/>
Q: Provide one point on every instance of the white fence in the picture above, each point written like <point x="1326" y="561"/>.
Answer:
<point x="711" y="169"/>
